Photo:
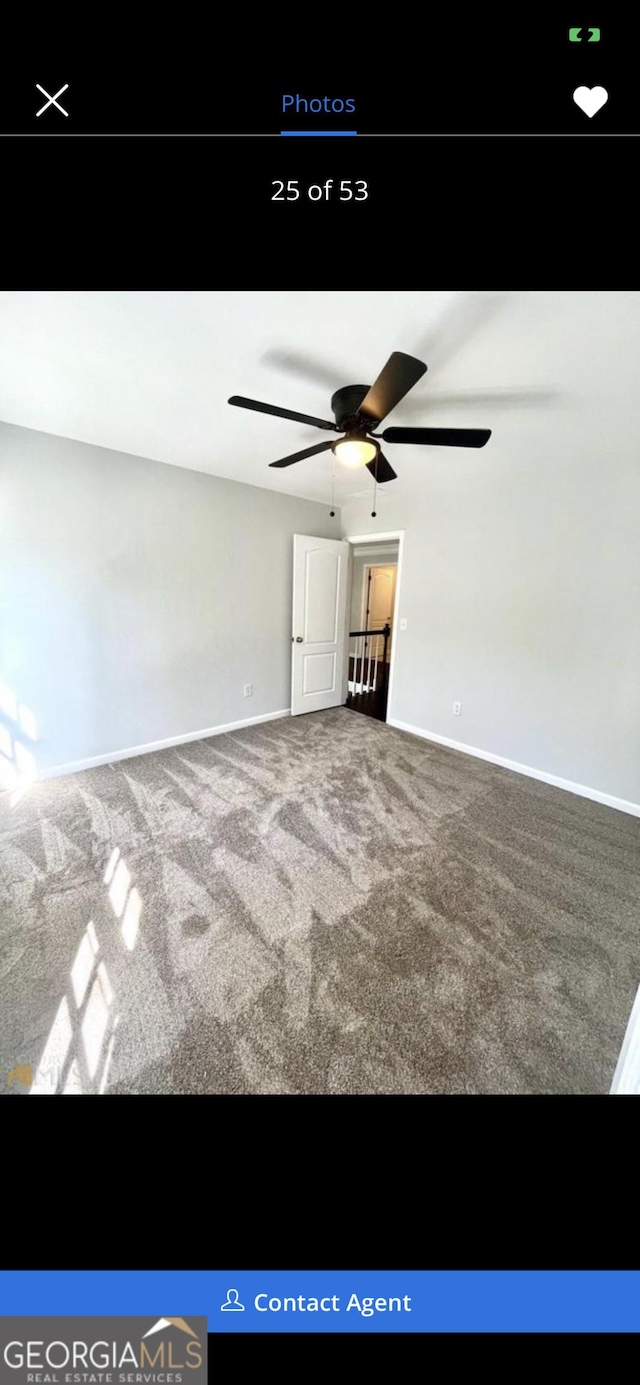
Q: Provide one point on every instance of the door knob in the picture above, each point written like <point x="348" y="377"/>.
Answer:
<point x="298" y="639"/>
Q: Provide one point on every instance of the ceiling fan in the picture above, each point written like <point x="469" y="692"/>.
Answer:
<point x="358" y="409"/>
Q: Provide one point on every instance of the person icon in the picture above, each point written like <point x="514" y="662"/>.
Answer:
<point x="232" y="1303"/>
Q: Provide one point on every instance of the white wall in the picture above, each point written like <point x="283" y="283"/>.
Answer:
<point x="521" y="570"/>
<point x="136" y="598"/>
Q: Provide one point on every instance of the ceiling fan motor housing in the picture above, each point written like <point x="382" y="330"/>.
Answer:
<point x="344" y="406"/>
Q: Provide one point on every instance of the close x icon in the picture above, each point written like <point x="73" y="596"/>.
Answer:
<point x="52" y="100"/>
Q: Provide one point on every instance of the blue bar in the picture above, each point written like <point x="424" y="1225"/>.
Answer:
<point x="458" y="1301"/>
<point x="307" y="133"/>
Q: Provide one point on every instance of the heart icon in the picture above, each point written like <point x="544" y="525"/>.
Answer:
<point x="590" y="99"/>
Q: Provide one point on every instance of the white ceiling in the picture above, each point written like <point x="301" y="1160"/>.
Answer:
<point x="150" y="373"/>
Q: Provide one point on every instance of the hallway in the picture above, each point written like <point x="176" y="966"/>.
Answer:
<point x="372" y="606"/>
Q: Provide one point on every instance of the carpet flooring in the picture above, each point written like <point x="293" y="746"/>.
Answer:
<point x="321" y="904"/>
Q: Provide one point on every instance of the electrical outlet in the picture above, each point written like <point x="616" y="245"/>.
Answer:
<point x="457" y="709"/>
<point x="248" y="689"/>
<point x="403" y="624"/>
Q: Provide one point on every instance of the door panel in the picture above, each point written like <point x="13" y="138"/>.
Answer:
<point x="321" y="583"/>
<point x="319" y="623"/>
<point x="319" y="673"/>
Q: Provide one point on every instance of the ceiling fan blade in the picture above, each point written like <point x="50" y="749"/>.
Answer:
<point x="305" y="367"/>
<point x="395" y="380"/>
<point x="299" y="456"/>
<point x="491" y="397"/>
<point x="383" y="468"/>
<point x="458" y="322"/>
<point x="243" y="403"/>
<point x="440" y="437"/>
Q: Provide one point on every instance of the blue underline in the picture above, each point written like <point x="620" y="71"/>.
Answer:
<point x="307" y="133"/>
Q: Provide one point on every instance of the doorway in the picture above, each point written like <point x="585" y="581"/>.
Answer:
<point x="371" y="626"/>
<point x="339" y="656"/>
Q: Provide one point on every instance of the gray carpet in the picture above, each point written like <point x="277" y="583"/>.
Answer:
<point x="318" y="904"/>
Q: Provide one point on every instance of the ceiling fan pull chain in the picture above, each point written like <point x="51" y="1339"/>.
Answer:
<point x="333" y="486"/>
<point x="375" y="488"/>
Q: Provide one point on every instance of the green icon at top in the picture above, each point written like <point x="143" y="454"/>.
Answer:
<point x="578" y="35"/>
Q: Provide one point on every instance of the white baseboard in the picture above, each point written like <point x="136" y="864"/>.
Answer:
<point x="75" y="766"/>
<point x="622" y="805"/>
<point x="626" y="1078"/>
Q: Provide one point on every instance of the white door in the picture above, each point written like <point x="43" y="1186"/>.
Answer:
<point x="319" y="623"/>
<point x="381" y="596"/>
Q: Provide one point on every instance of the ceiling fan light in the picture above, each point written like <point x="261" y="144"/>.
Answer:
<point x="355" y="451"/>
